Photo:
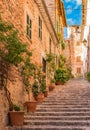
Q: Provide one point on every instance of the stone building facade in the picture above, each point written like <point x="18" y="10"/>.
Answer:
<point x="41" y="38"/>
<point x="67" y="52"/>
<point x="76" y="51"/>
<point x="58" y="17"/>
<point x="88" y="52"/>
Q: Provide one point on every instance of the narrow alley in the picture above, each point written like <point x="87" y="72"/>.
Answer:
<point x="66" y="108"/>
<point x="44" y="64"/>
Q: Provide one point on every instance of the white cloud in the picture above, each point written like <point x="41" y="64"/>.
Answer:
<point x="69" y="10"/>
<point x="72" y="1"/>
<point x="78" y="2"/>
<point x="69" y="21"/>
<point x="67" y="1"/>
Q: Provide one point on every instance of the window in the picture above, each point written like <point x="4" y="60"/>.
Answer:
<point x="79" y="70"/>
<point x="29" y="27"/>
<point x="78" y="58"/>
<point x="56" y="60"/>
<point x="40" y="28"/>
<point x="50" y="46"/>
<point x="57" y="26"/>
<point x="44" y="65"/>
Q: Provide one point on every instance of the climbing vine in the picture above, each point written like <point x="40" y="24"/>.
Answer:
<point x="12" y="52"/>
<point x="61" y="41"/>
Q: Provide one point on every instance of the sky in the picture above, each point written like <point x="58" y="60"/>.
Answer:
<point x="73" y="9"/>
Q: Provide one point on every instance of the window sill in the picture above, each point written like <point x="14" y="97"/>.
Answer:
<point x="40" y="39"/>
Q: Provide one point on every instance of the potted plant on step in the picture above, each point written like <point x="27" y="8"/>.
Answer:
<point x="61" y="76"/>
<point x="27" y="72"/>
<point x="88" y="76"/>
<point x="39" y="96"/>
<point x="51" y="67"/>
<point x="16" y="116"/>
<point x="43" y="85"/>
<point x="52" y="84"/>
<point x="38" y="87"/>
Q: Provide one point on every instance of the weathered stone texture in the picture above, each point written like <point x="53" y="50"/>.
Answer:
<point x="3" y="110"/>
<point x="15" y="11"/>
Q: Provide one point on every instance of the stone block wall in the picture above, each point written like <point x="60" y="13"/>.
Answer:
<point x="14" y="11"/>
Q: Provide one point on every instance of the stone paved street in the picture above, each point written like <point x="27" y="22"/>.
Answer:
<point x="66" y="108"/>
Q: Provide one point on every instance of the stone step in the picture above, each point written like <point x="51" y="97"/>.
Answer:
<point x="49" y="127"/>
<point x="61" y="113"/>
<point x="62" y="110"/>
<point x="61" y="106"/>
<point x="67" y="99"/>
<point x="62" y="103"/>
<point x="57" y="123"/>
<point x="29" y="117"/>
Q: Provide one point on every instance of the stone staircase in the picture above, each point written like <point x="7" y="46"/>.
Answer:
<point x="65" y="108"/>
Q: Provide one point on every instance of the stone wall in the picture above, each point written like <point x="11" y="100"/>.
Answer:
<point x="3" y="110"/>
<point x="15" y="12"/>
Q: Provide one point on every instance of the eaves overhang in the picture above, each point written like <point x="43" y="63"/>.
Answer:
<point x="47" y="19"/>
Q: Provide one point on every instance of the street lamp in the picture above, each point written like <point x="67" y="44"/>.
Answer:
<point x="85" y="42"/>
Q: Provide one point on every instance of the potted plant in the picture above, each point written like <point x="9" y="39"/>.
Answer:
<point x="43" y="86"/>
<point x="50" y="58"/>
<point x="52" y="84"/>
<point x="36" y="89"/>
<point x="30" y="104"/>
<point x="88" y="76"/>
<point x="27" y="72"/>
<point x="61" y="76"/>
<point x="16" y="116"/>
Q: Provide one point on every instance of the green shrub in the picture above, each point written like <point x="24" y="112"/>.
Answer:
<point x="43" y="84"/>
<point x="36" y="87"/>
<point x="61" y="75"/>
<point x="16" y="108"/>
<point x="88" y="76"/>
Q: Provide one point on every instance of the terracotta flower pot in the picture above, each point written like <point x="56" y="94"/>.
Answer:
<point x="45" y="93"/>
<point x="16" y="118"/>
<point x="51" y="86"/>
<point x="58" y="83"/>
<point x="39" y="97"/>
<point x="31" y="106"/>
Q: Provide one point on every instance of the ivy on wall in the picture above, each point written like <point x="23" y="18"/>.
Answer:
<point x="12" y="52"/>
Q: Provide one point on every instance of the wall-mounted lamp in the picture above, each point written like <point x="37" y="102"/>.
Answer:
<point x="84" y="42"/>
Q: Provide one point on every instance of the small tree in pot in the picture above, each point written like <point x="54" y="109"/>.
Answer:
<point x="43" y="85"/>
<point x="61" y="76"/>
<point x="50" y="58"/>
<point x="38" y="86"/>
<point x="27" y="72"/>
